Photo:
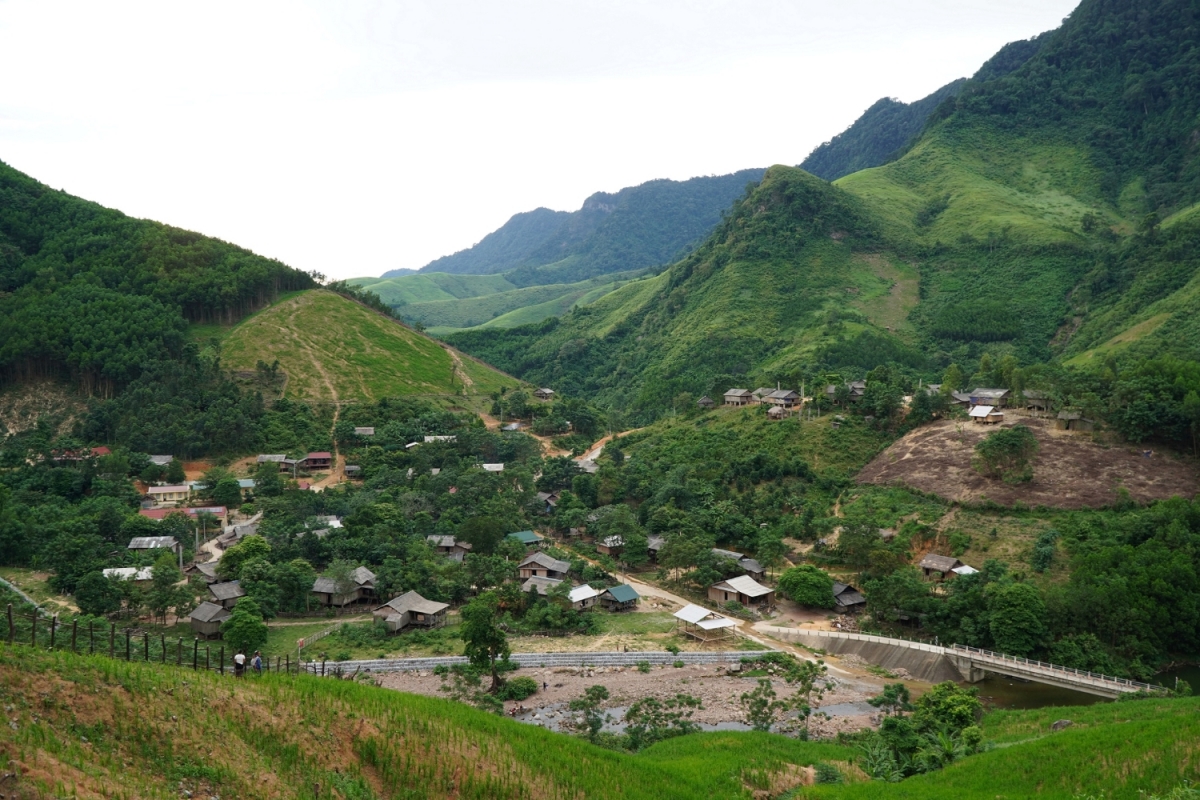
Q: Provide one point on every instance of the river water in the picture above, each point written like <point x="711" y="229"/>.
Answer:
<point x="1004" y="692"/>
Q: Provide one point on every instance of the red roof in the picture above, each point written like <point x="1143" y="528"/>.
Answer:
<point x="326" y="456"/>
<point x="101" y="451"/>
<point x="163" y="513"/>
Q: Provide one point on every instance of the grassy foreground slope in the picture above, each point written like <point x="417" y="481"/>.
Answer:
<point x="92" y="727"/>
<point x="333" y="349"/>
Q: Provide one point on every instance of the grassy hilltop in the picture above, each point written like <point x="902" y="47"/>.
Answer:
<point x="91" y="727"/>
<point x="333" y="349"/>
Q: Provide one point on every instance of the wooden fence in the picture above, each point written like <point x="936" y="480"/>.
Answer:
<point x="91" y="639"/>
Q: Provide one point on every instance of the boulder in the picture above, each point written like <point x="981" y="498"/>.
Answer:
<point x="1060" y="724"/>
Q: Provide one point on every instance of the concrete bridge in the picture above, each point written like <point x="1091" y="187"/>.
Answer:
<point x="933" y="663"/>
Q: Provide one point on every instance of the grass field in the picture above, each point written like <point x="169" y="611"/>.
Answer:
<point x="334" y="350"/>
<point x="432" y="287"/>
<point x="34" y="584"/>
<point x="80" y="726"/>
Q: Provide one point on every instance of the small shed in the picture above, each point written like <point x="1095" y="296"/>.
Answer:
<point x="353" y="472"/>
<point x="653" y="545"/>
<point x="705" y="403"/>
<point x="753" y="568"/>
<point x="985" y="415"/>
<point x="155" y="543"/>
<point x="621" y="597"/>
<point x="544" y="566"/>
<point x="1036" y="400"/>
<point x="584" y="597"/>
<point x="847" y="599"/>
<point x="707" y="626"/>
<point x="206" y="570"/>
<point x="960" y="399"/>
<point x="727" y="555"/>
<point x="543" y="394"/>
<point x="776" y="412"/>
<point x="207" y="618"/>
<point x="1074" y="421"/>
<point x="542" y="585"/>
<point x="937" y="568"/>
<point x="364" y="431"/>
<point x="549" y="501"/>
<point x="742" y="589"/>
<point x="226" y="594"/>
<point x="411" y="608"/>
<point x="610" y="546"/>
<point x="527" y="538"/>
<point x="450" y="547"/>
<point x="739" y="397"/>
<point x="997" y="398"/>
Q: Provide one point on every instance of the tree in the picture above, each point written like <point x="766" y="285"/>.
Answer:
<point x="174" y="473"/>
<point x="952" y="380"/>
<point x="252" y="547"/>
<point x="257" y="578"/>
<point x="267" y="480"/>
<point x="483" y="534"/>
<point x="485" y="572"/>
<point x="1007" y="454"/>
<point x="164" y="591"/>
<point x="894" y="699"/>
<point x="97" y="595"/>
<point x="485" y="642"/>
<point x="245" y="630"/>
<point x="1017" y="614"/>
<point x="761" y="707"/>
<point x="808" y="586"/>
<point x="947" y="706"/>
<point x="589" y="707"/>
<point x="341" y="572"/>
<point x="651" y="720"/>
<point x="227" y="492"/>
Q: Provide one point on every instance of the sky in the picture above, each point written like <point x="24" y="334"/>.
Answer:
<point x="356" y="137"/>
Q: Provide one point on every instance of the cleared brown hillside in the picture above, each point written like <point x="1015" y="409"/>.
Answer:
<point x="1071" y="471"/>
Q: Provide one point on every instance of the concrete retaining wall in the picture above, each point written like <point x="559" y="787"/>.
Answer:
<point x="929" y="663"/>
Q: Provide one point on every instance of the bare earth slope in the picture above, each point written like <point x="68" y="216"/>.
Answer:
<point x="1071" y="471"/>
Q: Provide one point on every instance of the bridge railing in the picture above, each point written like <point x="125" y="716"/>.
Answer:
<point x="1092" y="677"/>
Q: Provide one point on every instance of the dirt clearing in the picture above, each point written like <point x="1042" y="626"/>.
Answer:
<point x="1070" y="471"/>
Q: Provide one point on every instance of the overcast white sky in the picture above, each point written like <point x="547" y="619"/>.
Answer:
<point x="357" y="137"/>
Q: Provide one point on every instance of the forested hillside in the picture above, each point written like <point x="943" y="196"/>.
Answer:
<point x="1022" y="225"/>
<point x="637" y="227"/>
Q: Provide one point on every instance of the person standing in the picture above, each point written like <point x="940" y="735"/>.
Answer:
<point x="239" y="664"/>
<point x="257" y="662"/>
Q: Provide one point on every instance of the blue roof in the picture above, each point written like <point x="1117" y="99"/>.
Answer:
<point x="525" y="537"/>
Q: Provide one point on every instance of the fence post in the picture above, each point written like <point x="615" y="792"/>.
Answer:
<point x="74" y="632"/>
<point x="222" y="659"/>
<point x="128" y="653"/>
<point x="162" y="640"/>
<point x="12" y="629"/>
<point x="195" y="653"/>
<point x="91" y="639"/>
<point x="322" y="668"/>
<point x="146" y="646"/>
<point x="278" y="661"/>
<point x="33" y="635"/>
<point x="206" y="655"/>
<point x="112" y="640"/>
<point x="53" y="629"/>
<point x="287" y="662"/>
<point x="179" y="653"/>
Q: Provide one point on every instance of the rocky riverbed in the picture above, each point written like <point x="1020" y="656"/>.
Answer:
<point x="718" y="687"/>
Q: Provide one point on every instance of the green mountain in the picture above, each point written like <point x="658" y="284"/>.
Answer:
<point x="432" y="287"/>
<point x="637" y="227"/>
<point x="1010" y="227"/>
<point x="887" y="127"/>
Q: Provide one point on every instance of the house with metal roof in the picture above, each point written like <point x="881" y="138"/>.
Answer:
<point x="364" y="431"/>
<point x="610" y="546"/>
<point x="541" y="584"/>
<point x="527" y="538"/>
<point x="543" y="393"/>
<point x="739" y="397"/>
<point x="700" y="623"/>
<point x="985" y="415"/>
<point x="584" y="597"/>
<point x="135" y="574"/>
<point x="847" y="599"/>
<point x="989" y="397"/>
<point x="936" y="568"/>
<point x="411" y="608"/>
<point x="227" y="594"/>
<point x="705" y="403"/>
<point x="449" y="546"/>
<point x="542" y="565"/>
<point x="363" y="589"/>
<point x="207" y="618"/>
<point x="742" y="589"/>
<point x="155" y="543"/>
<point x="621" y="597"/>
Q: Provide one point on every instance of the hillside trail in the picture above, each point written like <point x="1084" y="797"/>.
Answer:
<point x="456" y="360"/>
<point x="549" y="448"/>
<point x="597" y="447"/>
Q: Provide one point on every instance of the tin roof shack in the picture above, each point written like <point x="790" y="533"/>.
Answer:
<point x="140" y="576"/>
<point x="705" y="403"/>
<point x="362" y="589"/>
<point x="155" y="543"/>
<point x="621" y="597"/>
<point x="364" y="431"/>
<point x="938" y="568"/>
<point x="207" y="618"/>
<point x="653" y="545"/>
<point x="543" y="566"/>
<point x="450" y="547"/>
<point x="542" y="585"/>
<point x="782" y="398"/>
<point x="856" y="390"/>
<point x="527" y="538"/>
<point x="411" y="608"/>
<point x="226" y="594"/>
<point x="1036" y="400"/>
<point x="584" y="597"/>
<point x="960" y="400"/>
<point x="847" y="599"/>
<point x="549" y="501"/>
<point x="1074" y="421"/>
<point x="997" y="398"/>
<point x="704" y="625"/>
<point x="753" y="568"/>
<point x="610" y="546"/>
<point x="317" y="461"/>
<point x="985" y="415"/>
<point x="543" y="394"/>
<point x="739" y="397"/>
<point x="742" y="589"/>
<point x="206" y="570"/>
